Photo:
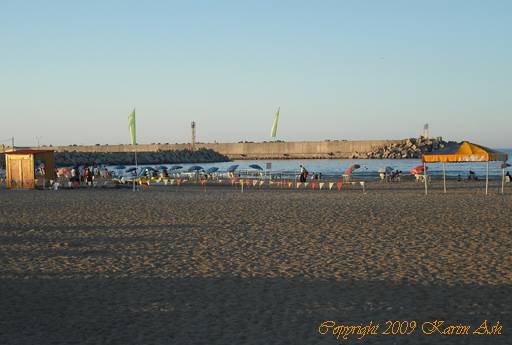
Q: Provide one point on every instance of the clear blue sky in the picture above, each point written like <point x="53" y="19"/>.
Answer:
<point x="71" y="72"/>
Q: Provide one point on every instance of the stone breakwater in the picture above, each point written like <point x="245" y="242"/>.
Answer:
<point x="218" y="152"/>
<point x="127" y="158"/>
<point x="409" y="148"/>
<point x="254" y="150"/>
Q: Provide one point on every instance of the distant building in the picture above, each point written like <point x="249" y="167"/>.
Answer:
<point x="425" y="131"/>
<point x="193" y="141"/>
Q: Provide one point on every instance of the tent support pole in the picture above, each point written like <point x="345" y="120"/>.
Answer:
<point x="425" y="177"/>
<point x="487" y="180"/>
<point x="503" y="181"/>
<point x="444" y="177"/>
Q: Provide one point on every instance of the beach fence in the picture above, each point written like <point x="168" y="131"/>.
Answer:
<point x="258" y="184"/>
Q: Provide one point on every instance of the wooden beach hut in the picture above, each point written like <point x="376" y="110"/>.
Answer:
<point x="463" y="152"/>
<point x="28" y="169"/>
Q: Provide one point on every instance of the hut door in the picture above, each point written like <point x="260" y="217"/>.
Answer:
<point x="27" y="174"/>
<point x="21" y="173"/>
<point x="16" y="174"/>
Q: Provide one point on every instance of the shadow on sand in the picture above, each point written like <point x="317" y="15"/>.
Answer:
<point x="236" y="311"/>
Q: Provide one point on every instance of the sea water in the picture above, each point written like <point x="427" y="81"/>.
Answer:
<point x="369" y="167"/>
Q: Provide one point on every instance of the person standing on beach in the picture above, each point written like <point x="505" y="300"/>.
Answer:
<point x="81" y="174"/>
<point x="75" y="177"/>
<point x="89" y="177"/>
<point x="85" y="174"/>
<point x="303" y="174"/>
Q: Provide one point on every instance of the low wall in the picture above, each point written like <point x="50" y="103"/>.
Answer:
<point x="264" y="150"/>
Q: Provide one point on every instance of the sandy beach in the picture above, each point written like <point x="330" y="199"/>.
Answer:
<point x="170" y="265"/>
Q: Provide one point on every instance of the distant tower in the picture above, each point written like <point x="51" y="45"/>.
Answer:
<point x="193" y="126"/>
<point x="425" y="131"/>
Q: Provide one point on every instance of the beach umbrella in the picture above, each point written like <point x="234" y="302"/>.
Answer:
<point x="386" y="170"/>
<point x="232" y="168"/>
<point x="194" y="168"/>
<point x="212" y="170"/>
<point x="119" y="167"/>
<point x="255" y="166"/>
<point x="64" y="171"/>
<point x="352" y="168"/>
<point x="176" y="167"/>
<point x="162" y="167"/>
<point x="148" y="169"/>
<point x="131" y="170"/>
<point x="420" y="169"/>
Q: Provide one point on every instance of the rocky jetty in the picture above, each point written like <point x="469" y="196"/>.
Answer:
<point x="410" y="148"/>
<point x="126" y="158"/>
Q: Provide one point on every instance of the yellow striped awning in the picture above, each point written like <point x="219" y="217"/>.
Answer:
<point x="464" y="152"/>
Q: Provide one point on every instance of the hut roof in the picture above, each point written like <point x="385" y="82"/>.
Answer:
<point x="27" y="152"/>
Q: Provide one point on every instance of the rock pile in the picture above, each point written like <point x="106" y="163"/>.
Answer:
<point x="410" y="148"/>
<point x="126" y="158"/>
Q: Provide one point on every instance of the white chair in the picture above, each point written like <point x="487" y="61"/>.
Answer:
<point x="421" y="178"/>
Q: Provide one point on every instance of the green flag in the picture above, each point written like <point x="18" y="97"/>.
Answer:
<point x="131" y="126"/>
<point x="273" y="133"/>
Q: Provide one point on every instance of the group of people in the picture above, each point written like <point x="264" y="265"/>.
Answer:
<point x="153" y="173"/>
<point x="304" y="173"/>
<point x="395" y="176"/>
<point x="473" y="177"/>
<point x="83" y="175"/>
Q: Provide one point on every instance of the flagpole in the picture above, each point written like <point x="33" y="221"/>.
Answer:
<point x="133" y="139"/>
<point x="273" y="137"/>
<point x="136" y="166"/>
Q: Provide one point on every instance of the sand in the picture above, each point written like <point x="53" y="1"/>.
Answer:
<point x="170" y="265"/>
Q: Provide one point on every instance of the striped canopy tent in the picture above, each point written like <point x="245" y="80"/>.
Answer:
<point x="464" y="152"/>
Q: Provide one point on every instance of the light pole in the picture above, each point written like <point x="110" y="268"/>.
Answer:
<point x="38" y="138"/>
